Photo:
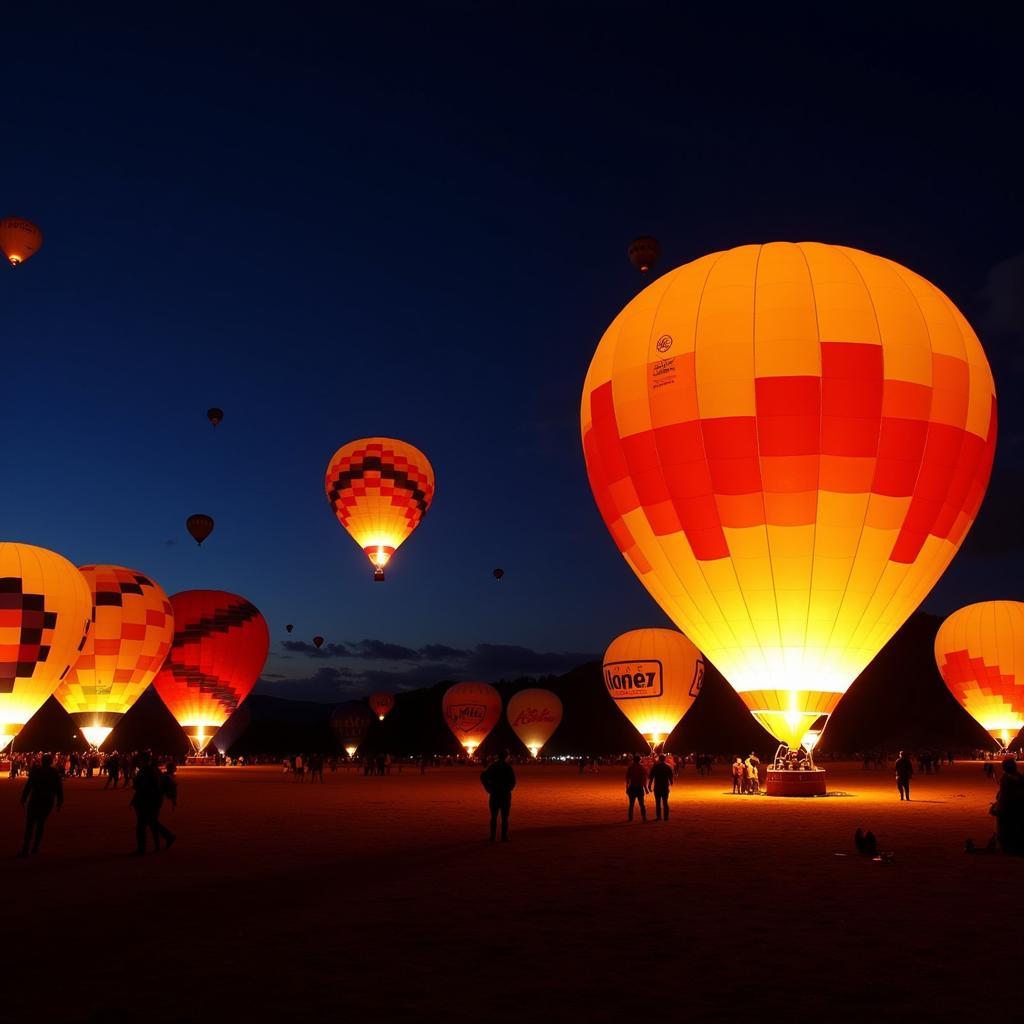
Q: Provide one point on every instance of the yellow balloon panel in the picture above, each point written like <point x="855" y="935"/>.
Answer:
<point x="654" y="676"/>
<point x="45" y="611"/>
<point x="133" y="626"/>
<point x="980" y="653"/>
<point x="788" y="443"/>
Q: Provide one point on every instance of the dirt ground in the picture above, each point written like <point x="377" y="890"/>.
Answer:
<point x="380" y="899"/>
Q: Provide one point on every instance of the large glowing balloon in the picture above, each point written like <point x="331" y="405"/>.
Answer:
<point x="471" y="710"/>
<point x="788" y="444"/>
<point x="45" y="614"/>
<point x="534" y="715"/>
<point x="219" y="649"/>
<point x="19" y="239"/>
<point x="379" y="489"/>
<point x="980" y="653"/>
<point x="381" y="704"/>
<point x="351" y="722"/>
<point x="654" y="676"/>
<point x="131" y="633"/>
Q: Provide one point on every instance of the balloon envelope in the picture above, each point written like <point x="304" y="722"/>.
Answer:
<point x="380" y="490"/>
<point x="350" y="722"/>
<point x="131" y="633"/>
<point x="199" y="526"/>
<point x="19" y="239"/>
<point x="215" y="415"/>
<point x="980" y="653"/>
<point x="654" y="676"/>
<point x="45" y="614"/>
<point x="788" y="444"/>
<point x="318" y="642"/>
<point x="534" y="715"/>
<point x="289" y="628"/>
<point x="381" y="704"/>
<point x="644" y="252"/>
<point x="499" y="573"/>
<point x="220" y="646"/>
<point x="471" y="710"/>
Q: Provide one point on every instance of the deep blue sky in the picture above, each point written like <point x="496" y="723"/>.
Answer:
<point x="414" y="223"/>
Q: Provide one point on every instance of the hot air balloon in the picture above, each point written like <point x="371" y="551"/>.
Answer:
<point x="288" y="628"/>
<point x="381" y="704"/>
<point x="200" y="526"/>
<point x="219" y="649"/>
<point x="45" y="614"/>
<point x="19" y="239"/>
<point x="788" y="443"/>
<point x="534" y="715"/>
<point x="350" y="722"/>
<point x="318" y="642"/>
<point x="215" y="415"/>
<point x="644" y="252"/>
<point x="131" y="633"/>
<point x="471" y="710"/>
<point x="980" y="653"/>
<point x="379" y="489"/>
<point x="654" y="676"/>
<point x="498" y="573"/>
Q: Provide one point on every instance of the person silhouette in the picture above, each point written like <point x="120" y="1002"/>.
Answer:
<point x="1009" y="809"/>
<point x="499" y="780"/>
<point x="904" y="773"/>
<point x="662" y="778"/>
<point x="150" y="789"/>
<point x="636" y="786"/>
<point x="43" y="789"/>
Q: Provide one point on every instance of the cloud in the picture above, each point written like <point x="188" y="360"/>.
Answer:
<point x="326" y="685"/>
<point x="311" y="651"/>
<point x="503" y="660"/>
<point x="380" y="650"/>
<point x="438" y="652"/>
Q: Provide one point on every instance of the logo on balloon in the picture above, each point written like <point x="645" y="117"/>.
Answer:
<point x="664" y="343"/>
<point x="627" y="680"/>
<point x="698" y="677"/>
<point x="530" y="716"/>
<point x="466" y="717"/>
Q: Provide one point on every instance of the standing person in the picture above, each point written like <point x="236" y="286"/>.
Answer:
<point x="1008" y="809"/>
<point x="636" y="786"/>
<point x="149" y="794"/>
<point x="737" y="775"/>
<point x="662" y="778"/>
<point x="113" y="766"/>
<point x="753" y="766"/>
<point x="43" y="789"/>
<point x="499" y="780"/>
<point x="904" y="773"/>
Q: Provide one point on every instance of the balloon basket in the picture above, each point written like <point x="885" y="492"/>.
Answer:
<point x="795" y="782"/>
<point x="200" y="760"/>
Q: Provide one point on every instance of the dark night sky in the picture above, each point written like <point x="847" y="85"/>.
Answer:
<point x="414" y="223"/>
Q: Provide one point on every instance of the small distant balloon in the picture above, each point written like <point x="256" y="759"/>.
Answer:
<point x="644" y="252"/>
<point x="199" y="526"/>
<point x="19" y="239"/>
<point x="318" y="642"/>
<point x="498" y="573"/>
<point x="381" y="704"/>
<point x="289" y="628"/>
<point x="215" y="415"/>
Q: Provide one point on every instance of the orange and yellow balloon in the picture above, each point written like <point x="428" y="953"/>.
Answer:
<point x="534" y="716"/>
<point x="380" y="490"/>
<point x="980" y="653"/>
<point x="654" y="676"/>
<point x="788" y="443"/>
<point x="131" y="633"/>
<point x="471" y="710"/>
<point x="45" y="613"/>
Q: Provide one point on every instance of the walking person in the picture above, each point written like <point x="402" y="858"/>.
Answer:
<point x="43" y="790"/>
<point x="904" y="773"/>
<point x="636" y="786"/>
<point x="661" y="778"/>
<point x="150" y="789"/>
<point x="499" y="780"/>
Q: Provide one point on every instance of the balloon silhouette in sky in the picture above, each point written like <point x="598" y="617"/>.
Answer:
<point x="380" y="490"/>
<point x="654" y="676"/>
<point x="199" y="526"/>
<point x="788" y="443"/>
<point x="644" y="252"/>
<point x="980" y="653"/>
<point x="19" y="239"/>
